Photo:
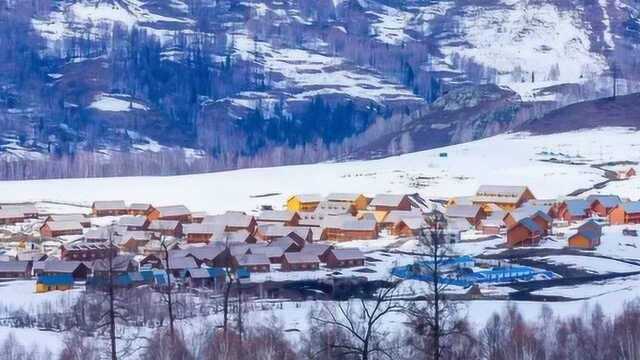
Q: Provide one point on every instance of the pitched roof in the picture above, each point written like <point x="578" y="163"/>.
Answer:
<point x="206" y="229"/>
<point x="463" y="211"/>
<point x="577" y="206"/>
<point x="358" y="225"/>
<point x="140" y="206"/>
<point x="252" y="259"/>
<point x="173" y="210"/>
<point x="308" y="198"/>
<point x="530" y="225"/>
<point x="269" y="251"/>
<point x="101" y="233"/>
<point x="22" y="208"/>
<point x="280" y="231"/>
<point x="414" y="223"/>
<point x="132" y="221"/>
<point x="182" y="263"/>
<point x="316" y="249"/>
<point x="608" y="201"/>
<point x="64" y="225"/>
<point x="387" y="200"/>
<point x="348" y="254"/>
<point x="230" y="218"/>
<point x="205" y="273"/>
<point x="343" y="197"/>
<point x="208" y="252"/>
<point x="159" y="225"/>
<point x="631" y="207"/>
<point x="530" y="212"/>
<point x="499" y="194"/>
<point x="68" y="217"/>
<point x="283" y="242"/>
<point x="57" y="266"/>
<point x="394" y="216"/>
<point x="118" y="263"/>
<point x="276" y="215"/>
<point x="301" y="258"/>
<point x="14" y="266"/>
<point x="110" y="205"/>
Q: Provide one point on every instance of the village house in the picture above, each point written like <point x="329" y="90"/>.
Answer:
<point x="286" y="243"/>
<point x="31" y="255"/>
<point x="388" y="202"/>
<point x="491" y="226"/>
<point x="625" y="213"/>
<point x="134" y="223"/>
<point x="392" y="217"/>
<point x="282" y="217"/>
<point x="214" y="255"/>
<point x="140" y="209"/>
<point x="602" y="205"/>
<point x="358" y="201"/>
<point x="252" y="262"/>
<point x="328" y="208"/>
<point x="179" y="265"/>
<point x="81" y="218"/>
<point x="15" y="269"/>
<point x="210" y="278"/>
<point x="625" y="174"/>
<point x="300" y="262"/>
<point x="233" y="221"/>
<point x="197" y="217"/>
<point x="268" y="233"/>
<point x="87" y="251"/>
<point x="587" y="237"/>
<point x="59" y="282"/>
<point x="507" y="197"/>
<point x="155" y="247"/>
<point x="178" y="213"/>
<point x="472" y="213"/>
<point x="347" y="230"/>
<point x="151" y="261"/>
<point x="29" y="211"/>
<point x="202" y="233"/>
<point x="408" y="227"/>
<point x="543" y="220"/>
<point x="303" y="202"/>
<point x="525" y="233"/>
<point x="166" y="228"/>
<point x="9" y="217"/>
<point x="273" y="253"/>
<point x="319" y="250"/>
<point x="120" y="265"/>
<point x="345" y="258"/>
<point x="77" y="269"/>
<point x="61" y="228"/>
<point x="133" y="241"/>
<point x="109" y="208"/>
<point x="573" y="210"/>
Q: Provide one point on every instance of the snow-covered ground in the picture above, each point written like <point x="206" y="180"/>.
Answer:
<point x="504" y="159"/>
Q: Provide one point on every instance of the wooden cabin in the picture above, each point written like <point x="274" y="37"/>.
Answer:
<point x="233" y="221"/>
<point x="358" y="201"/>
<point x="625" y="174"/>
<point x="472" y="213"/>
<point x="351" y="230"/>
<point x="282" y="217"/>
<point x="59" y="282"/>
<point x="490" y="226"/>
<point x="109" y="208"/>
<point x="574" y="210"/>
<point x="178" y="213"/>
<point x="77" y="269"/>
<point x="299" y="262"/>
<point x="345" y="258"/>
<point x="303" y="202"/>
<point x="388" y="202"/>
<point x="210" y="278"/>
<point x="28" y="210"/>
<point x="507" y="197"/>
<point x="408" y="227"/>
<point x="85" y="251"/>
<point x="602" y="205"/>
<point x="319" y="250"/>
<point x="525" y="233"/>
<point x="166" y="227"/>
<point x="134" y="223"/>
<point x="625" y="213"/>
<point x="202" y="233"/>
<point x="587" y="237"/>
<point x="61" y="228"/>
<point x="252" y="262"/>
<point x="542" y="219"/>
<point x="15" y="269"/>
<point x="9" y="217"/>
<point x="81" y="218"/>
<point x="140" y="209"/>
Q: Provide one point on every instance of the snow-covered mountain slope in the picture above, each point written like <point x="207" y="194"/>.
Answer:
<point x="541" y="162"/>
<point x="261" y="82"/>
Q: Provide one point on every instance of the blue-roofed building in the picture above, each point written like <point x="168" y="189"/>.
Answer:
<point x="625" y="213"/>
<point x="602" y="205"/>
<point x="46" y="283"/>
<point x="574" y="210"/>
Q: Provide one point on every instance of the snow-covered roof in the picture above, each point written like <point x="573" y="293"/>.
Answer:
<point x="343" y="197"/>
<point x="14" y="266"/>
<point x="348" y="254"/>
<point x="608" y="201"/>
<point x="140" y="206"/>
<point x="414" y="223"/>
<point x="387" y="200"/>
<point x="530" y="225"/>
<point x="252" y="259"/>
<point x="68" y="217"/>
<point x="173" y="210"/>
<point x="158" y="225"/>
<point x="230" y="218"/>
<point x="64" y="225"/>
<point x="499" y="194"/>
<point x="211" y="229"/>
<point x="301" y="258"/>
<point x="631" y="207"/>
<point x="132" y="221"/>
<point x="22" y="208"/>
<point x="11" y="214"/>
<point x="463" y="211"/>
<point x="577" y="206"/>
<point x="208" y="252"/>
<point x="110" y="205"/>
<point x="276" y="215"/>
<point x="309" y="198"/>
<point x="395" y="216"/>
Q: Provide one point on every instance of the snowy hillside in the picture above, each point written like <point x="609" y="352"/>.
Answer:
<point x="540" y="162"/>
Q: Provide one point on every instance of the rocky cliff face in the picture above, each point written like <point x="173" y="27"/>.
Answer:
<point x="195" y="85"/>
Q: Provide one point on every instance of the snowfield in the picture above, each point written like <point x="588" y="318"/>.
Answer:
<point x="504" y="159"/>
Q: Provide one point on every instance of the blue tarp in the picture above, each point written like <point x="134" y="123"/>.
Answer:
<point x="54" y="280"/>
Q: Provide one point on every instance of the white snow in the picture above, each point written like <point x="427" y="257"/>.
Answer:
<point x="105" y="102"/>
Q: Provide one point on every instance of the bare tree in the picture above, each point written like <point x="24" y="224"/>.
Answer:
<point x="169" y="290"/>
<point x="361" y="323"/>
<point x="436" y="319"/>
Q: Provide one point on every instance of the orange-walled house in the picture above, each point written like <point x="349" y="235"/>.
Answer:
<point x="625" y="213"/>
